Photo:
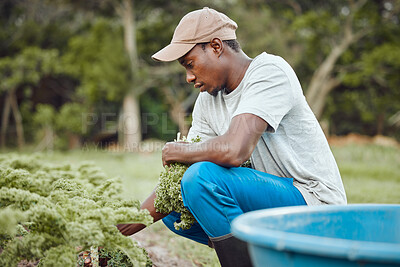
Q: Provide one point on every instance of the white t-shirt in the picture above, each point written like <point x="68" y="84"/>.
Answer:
<point x="293" y="145"/>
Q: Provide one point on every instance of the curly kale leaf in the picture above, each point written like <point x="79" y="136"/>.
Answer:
<point x="168" y="193"/>
<point x="47" y="211"/>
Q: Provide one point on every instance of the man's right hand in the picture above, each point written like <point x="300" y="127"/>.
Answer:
<point x="132" y="228"/>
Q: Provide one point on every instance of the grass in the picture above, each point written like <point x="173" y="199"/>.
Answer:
<point x="371" y="174"/>
<point x="138" y="172"/>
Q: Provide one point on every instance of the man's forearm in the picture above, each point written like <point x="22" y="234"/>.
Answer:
<point x="130" y="229"/>
<point x="216" y="150"/>
<point x="230" y="149"/>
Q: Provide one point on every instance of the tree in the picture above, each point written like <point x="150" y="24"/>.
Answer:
<point x="314" y="36"/>
<point x="45" y="117"/>
<point x="330" y="32"/>
<point x="130" y="124"/>
<point x="25" y="69"/>
<point x="61" y="129"/>
<point x="373" y="83"/>
<point x="323" y="79"/>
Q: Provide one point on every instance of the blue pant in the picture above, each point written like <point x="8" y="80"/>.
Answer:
<point x="216" y="195"/>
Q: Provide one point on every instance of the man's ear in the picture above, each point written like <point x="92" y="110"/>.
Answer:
<point x="217" y="46"/>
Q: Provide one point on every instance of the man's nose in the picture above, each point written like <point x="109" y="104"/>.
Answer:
<point x="190" y="77"/>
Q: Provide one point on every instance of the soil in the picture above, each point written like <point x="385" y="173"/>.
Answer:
<point x="159" y="255"/>
<point x="358" y="139"/>
<point x="26" y="263"/>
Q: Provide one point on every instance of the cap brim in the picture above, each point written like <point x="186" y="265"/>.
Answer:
<point x="172" y="52"/>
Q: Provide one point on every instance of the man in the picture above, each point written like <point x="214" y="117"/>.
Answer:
<point x="247" y="109"/>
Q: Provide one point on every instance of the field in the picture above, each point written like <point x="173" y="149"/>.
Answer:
<point x="371" y="174"/>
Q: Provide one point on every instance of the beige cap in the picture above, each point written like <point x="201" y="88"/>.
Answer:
<point x="199" y="26"/>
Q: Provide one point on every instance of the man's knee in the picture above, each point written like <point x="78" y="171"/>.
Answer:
<point x="196" y="177"/>
<point x="196" y="170"/>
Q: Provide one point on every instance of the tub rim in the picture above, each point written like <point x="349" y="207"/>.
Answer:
<point x="315" y="245"/>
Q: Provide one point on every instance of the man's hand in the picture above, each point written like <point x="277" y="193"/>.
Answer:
<point x="230" y="149"/>
<point x="167" y="153"/>
<point x="132" y="228"/>
<point x="171" y="149"/>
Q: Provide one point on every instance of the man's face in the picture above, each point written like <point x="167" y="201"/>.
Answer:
<point x="203" y="69"/>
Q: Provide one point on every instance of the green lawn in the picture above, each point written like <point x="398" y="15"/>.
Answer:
<point x="371" y="174"/>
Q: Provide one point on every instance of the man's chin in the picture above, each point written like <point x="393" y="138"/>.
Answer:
<point x="214" y="92"/>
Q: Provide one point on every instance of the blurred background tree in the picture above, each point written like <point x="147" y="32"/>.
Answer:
<point x="102" y="86"/>
<point x="21" y="71"/>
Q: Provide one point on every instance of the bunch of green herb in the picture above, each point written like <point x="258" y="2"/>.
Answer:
<point x="168" y="192"/>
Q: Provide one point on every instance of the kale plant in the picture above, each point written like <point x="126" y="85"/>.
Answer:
<point x="52" y="213"/>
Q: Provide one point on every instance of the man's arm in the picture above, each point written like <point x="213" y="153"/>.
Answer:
<point x="230" y="149"/>
<point x="130" y="229"/>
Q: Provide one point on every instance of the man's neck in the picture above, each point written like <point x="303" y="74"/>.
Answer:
<point x="238" y="67"/>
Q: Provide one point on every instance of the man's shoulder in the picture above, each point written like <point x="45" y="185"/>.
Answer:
<point x="265" y="64"/>
<point x="267" y="60"/>
<point x="268" y="67"/>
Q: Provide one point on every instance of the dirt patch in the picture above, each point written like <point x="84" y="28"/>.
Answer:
<point x="359" y="139"/>
<point x="159" y="254"/>
<point x="26" y="263"/>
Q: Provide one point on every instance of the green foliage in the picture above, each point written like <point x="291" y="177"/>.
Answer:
<point x="169" y="197"/>
<point x="61" y="124"/>
<point x="155" y="122"/>
<point x="63" y="207"/>
<point x="99" y="60"/>
<point x="69" y="118"/>
<point x="44" y="115"/>
<point x="369" y="94"/>
<point x="8" y="220"/>
<point x="168" y="193"/>
<point x="28" y="67"/>
<point x="115" y="258"/>
<point x="378" y="65"/>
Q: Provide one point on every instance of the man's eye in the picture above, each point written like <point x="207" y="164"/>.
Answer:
<point x="190" y="65"/>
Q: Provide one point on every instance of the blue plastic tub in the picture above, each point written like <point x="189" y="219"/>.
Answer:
<point x="351" y="235"/>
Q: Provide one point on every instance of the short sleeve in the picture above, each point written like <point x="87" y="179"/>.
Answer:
<point x="200" y="125"/>
<point x="267" y="94"/>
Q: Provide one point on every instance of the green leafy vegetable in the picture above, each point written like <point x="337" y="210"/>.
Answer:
<point x="51" y="210"/>
<point x="168" y="192"/>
